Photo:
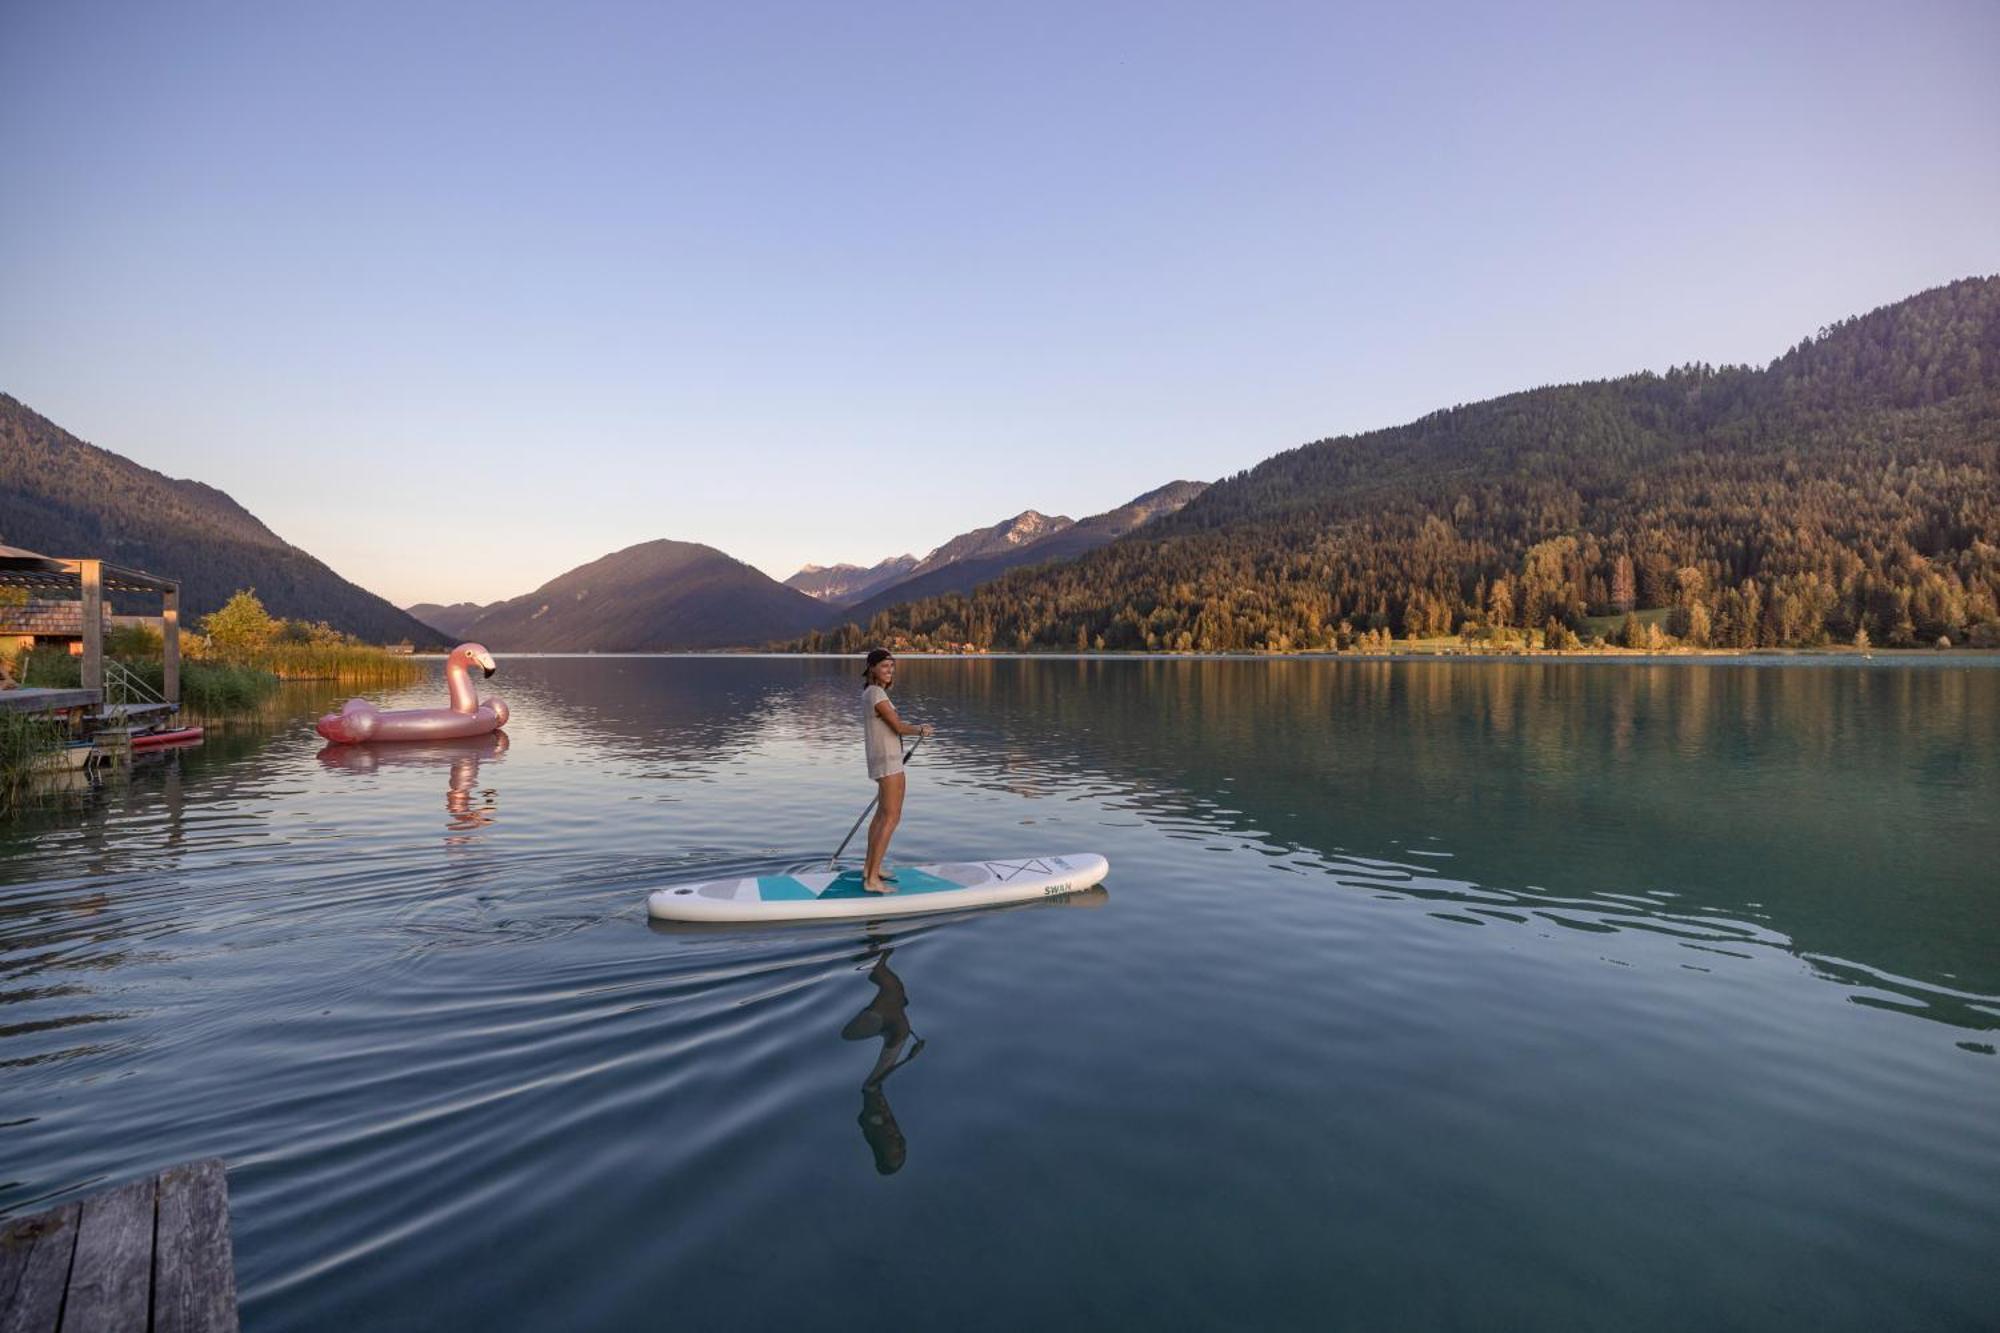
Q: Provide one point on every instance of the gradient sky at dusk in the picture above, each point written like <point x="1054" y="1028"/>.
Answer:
<point x="458" y="296"/>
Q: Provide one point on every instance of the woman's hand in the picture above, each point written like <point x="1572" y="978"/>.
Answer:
<point x="927" y="730"/>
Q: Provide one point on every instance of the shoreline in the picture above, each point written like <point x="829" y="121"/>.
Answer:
<point x="1630" y="656"/>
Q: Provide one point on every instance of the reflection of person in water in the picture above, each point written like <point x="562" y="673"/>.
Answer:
<point x="885" y="1017"/>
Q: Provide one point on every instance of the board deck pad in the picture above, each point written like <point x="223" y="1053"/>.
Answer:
<point x="949" y="886"/>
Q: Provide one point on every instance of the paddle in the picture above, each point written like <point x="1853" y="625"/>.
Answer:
<point x="833" y="861"/>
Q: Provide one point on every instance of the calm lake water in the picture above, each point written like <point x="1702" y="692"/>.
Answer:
<point x="1469" y="995"/>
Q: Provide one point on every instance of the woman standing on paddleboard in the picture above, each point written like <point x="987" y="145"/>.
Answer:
<point x="884" y="730"/>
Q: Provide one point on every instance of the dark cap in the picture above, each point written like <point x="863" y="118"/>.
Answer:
<point x="875" y="657"/>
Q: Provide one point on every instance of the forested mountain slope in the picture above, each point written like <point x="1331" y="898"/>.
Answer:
<point x="1853" y="485"/>
<point x="63" y="497"/>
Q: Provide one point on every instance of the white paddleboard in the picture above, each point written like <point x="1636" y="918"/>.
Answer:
<point x="951" y="887"/>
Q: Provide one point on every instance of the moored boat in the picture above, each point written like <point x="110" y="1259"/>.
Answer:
<point x="178" y="736"/>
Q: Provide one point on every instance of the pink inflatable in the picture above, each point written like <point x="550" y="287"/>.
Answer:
<point x="468" y="715"/>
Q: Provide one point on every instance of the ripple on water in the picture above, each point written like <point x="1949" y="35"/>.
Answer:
<point x="1382" y="974"/>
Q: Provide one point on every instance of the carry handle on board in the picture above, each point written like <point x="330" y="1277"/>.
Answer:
<point x="833" y="861"/>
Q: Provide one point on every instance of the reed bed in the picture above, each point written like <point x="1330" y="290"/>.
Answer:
<point x="287" y="649"/>
<point x="25" y="740"/>
<point x="216" y="688"/>
<point x="347" y="664"/>
<point x="49" y="669"/>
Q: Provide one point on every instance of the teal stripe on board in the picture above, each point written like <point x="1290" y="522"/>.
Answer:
<point x="907" y="881"/>
<point x="782" y="889"/>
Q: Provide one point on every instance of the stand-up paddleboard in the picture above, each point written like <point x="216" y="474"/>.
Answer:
<point x="951" y="887"/>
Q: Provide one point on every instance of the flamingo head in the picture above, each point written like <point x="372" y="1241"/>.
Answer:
<point x="472" y="655"/>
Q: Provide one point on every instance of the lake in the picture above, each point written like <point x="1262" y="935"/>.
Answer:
<point x="1454" y="994"/>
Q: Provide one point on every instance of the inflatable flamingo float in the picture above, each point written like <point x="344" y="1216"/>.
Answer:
<point x="468" y="715"/>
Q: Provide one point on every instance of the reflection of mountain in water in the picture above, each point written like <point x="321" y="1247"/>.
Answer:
<point x="680" y="709"/>
<point x="1730" y="804"/>
<point x="1653" y="794"/>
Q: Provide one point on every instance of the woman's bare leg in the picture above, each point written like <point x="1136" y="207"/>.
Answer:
<point x="888" y="814"/>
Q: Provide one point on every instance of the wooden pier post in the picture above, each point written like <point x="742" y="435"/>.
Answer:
<point x="170" y="645"/>
<point x="91" y="572"/>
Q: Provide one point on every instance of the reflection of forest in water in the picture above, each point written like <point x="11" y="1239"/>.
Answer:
<point x="1842" y="812"/>
<point x="1848" y="809"/>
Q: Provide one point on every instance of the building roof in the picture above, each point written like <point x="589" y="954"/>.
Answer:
<point x="13" y="557"/>
<point x="42" y="573"/>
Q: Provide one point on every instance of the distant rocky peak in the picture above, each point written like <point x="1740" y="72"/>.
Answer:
<point x="1168" y="498"/>
<point x="1030" y="524"/>
<point x="841" y="583"/>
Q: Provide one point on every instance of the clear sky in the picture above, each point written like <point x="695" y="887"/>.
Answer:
<point x="458" y="296"/>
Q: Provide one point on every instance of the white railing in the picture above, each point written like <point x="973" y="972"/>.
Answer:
<point x="121" y="686"/>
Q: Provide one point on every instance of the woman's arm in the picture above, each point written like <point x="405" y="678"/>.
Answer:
<point x="887" y="712"/>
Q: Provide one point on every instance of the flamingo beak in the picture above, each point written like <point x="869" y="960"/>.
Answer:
<point x="487" y="671"/>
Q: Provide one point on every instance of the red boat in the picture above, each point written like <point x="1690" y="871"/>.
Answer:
<point x="148" y="739"/>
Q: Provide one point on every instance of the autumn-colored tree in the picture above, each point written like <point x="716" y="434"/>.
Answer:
<point x="241" y="627"/>
<point x="1624" y="592"/>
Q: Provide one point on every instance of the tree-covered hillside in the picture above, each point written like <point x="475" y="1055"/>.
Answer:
<point x="1850" y="487"/>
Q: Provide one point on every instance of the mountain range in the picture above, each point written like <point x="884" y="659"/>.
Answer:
<point x="1849" y="490"/>
<point x="1002" y="547"/>
<point x="843" y="585"/>
<point x="656" y="596"/>
<point x="667" y="595"/>
<point x="63" y="497"/>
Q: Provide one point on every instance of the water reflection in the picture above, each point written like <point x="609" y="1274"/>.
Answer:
<point x="885" y="1019"/>
<point x="416" y="1056"/>
<point x="468" y="806"/>
<point x="1826" y="808"/>
<point x="699" y="710"/>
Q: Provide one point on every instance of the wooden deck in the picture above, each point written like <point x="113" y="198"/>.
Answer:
<point x="116" y="713"/>
<point x="152" y="1256"/>
<point x="31" y="699"/>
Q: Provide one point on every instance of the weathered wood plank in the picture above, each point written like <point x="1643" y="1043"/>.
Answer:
<point x="194" y="1267"/>
<point x="17" y="1242"/>
<point x="38" y="1295"/>
<point x="111" y="1278"/>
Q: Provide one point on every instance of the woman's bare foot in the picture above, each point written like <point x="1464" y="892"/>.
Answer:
<point x="877" y="886"/>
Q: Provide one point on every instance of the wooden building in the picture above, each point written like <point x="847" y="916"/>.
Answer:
<point x="65" y="592"/>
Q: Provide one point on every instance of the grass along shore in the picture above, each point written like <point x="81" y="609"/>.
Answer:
<point x="26" y="739"/>
<point x="231" y="671"/>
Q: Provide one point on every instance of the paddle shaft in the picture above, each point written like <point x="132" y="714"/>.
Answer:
<point x="831" y="861"/>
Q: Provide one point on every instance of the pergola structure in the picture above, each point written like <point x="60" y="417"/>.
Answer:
<point x="89" y="580"/>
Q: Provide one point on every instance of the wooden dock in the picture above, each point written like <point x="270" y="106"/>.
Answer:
<point x="152" y="1256"/>
<point x="31" y="699"/>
